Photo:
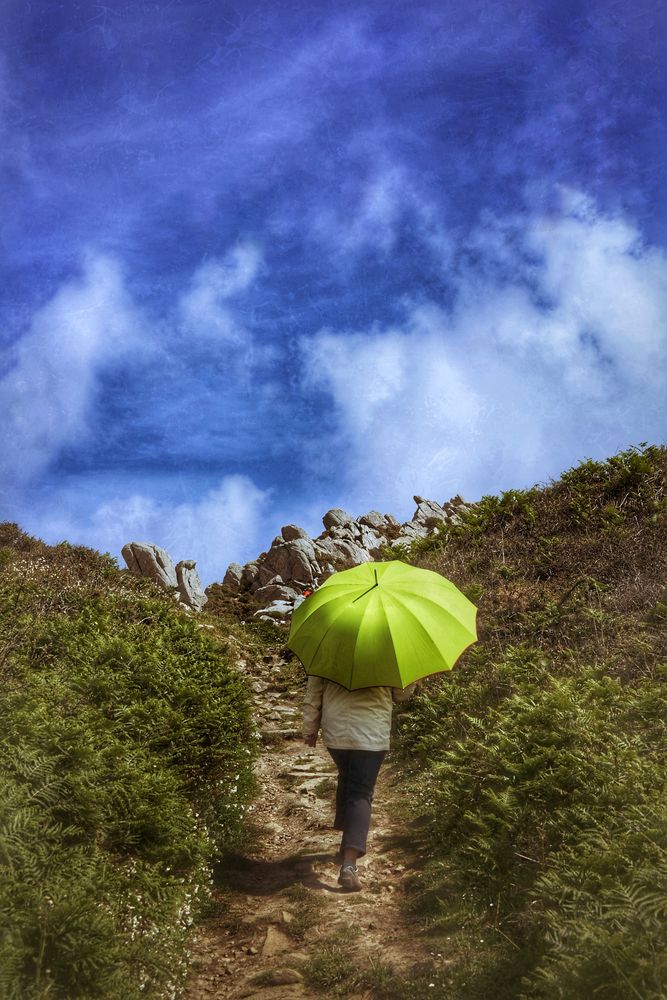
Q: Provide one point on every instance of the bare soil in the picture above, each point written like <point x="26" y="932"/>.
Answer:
<point x="278" y="905"/>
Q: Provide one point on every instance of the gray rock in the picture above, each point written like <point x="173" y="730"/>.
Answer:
<point x="413" y="529"/>
<point x="189" y="584"/>
<point x="371" y="540"/>
<point x="336" y="517"/>
<point x="325" y="549"/>
<point x="410" y="532"/>
<point x="266" y="573"/>
<point x="293" y="560"/>
<point x="291" y="532"/>
<point x="429" y="513"/>
<point x="249" y="574"/>
<point x="149" y="560"/>
<point x="345" y="532"/>
<point x="374" y="519"/>
<point x="232" y="578"/>
<point x="349" y="554"/>
<point x="277" y="592"/>
<point x="275" y="611"/>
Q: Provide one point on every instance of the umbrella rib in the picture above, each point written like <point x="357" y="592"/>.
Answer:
<point x="421" y="626"/>
<point x="356" y="640"/>
<point x="430" y="600"/>
<point x="384" y="612"/>
<point x="317" y="649"/>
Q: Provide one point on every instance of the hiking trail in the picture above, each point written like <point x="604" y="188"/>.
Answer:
<point x="282" y="928"/>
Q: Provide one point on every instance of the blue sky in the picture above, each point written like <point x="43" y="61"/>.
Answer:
<point x="263" y="259"/>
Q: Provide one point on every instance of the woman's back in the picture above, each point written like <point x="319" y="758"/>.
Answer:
<point x="356" y="719"/>
<point x="351" y="720"/>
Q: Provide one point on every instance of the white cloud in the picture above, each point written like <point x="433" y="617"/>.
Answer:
<point x="224" y="525"/>
<point x="609" y="284"/>
<point x="203" y="309"/>
<point x="50" y="381"/>
<point x="371" y="214"/>
<point x="49" y="386"/>
<point x="519" y="380"/>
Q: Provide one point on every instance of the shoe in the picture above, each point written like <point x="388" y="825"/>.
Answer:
<point x="349" y="879"/>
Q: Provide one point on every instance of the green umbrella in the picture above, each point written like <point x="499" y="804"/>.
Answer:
<point x="382" y="623"/>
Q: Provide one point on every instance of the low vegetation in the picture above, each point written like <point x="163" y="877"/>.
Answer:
<point x="533" y="773"/>
<point x="535" y="770"/>
<point x="125" y="766"/>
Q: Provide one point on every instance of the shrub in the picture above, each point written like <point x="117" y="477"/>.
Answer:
<point x="535" y="769"/>
<point x="545" y="795"/>
<point x="125" y="763"/>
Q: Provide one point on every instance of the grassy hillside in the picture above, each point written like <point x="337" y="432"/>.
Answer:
<point x="533" y="773"/>
<point x="535" y="770"/>
<point x="125" y="763"/>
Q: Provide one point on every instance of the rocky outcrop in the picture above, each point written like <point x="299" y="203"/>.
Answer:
<point x="189" y="585"/>
<point x="336" y="518"/>
<point x="295" y="562"/>
<point x="233" y="575"/>
<point x="148" y="560"/>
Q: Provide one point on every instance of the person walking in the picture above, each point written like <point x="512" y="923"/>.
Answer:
<point x="356" y="728"/>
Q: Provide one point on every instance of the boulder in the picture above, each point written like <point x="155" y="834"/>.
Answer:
<point x="345" y="532"/>
<point x="277" y="611"/>
<point x="293" y="560"/>
<point x="374" y="519"/>
<point x="291" y="532"/>
<point x="232" y="578"/>
<point x="325" y="549"/>
<point x="266" y="574"/>
<point x="277" y="592"/>
<point x="146" y="559"/>
<point x="189" y="585"/>
<point x="429" y="513"/>
<point x="371" y="540"/>
<point x="336" y="517"/>
<point x="249" y="575"/>
<point x="410" y="532"/>
<point x="350" y="554"/>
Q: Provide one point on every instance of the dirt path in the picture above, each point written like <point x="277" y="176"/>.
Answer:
<point x="283" y="929"/>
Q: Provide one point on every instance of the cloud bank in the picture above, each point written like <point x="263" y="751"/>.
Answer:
<point x="556" y="344"/>
<point x="49" y="380"/>
<point x="53" y="387"/>
<point x="226" y="521"/>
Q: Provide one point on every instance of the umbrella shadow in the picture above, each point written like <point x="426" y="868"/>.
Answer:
<point x="259" y="877"/>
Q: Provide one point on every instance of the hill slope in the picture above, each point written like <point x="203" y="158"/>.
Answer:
<point x="536" y="768"/>
<point x="530" y="779"/>
<point x="125" y="764"/>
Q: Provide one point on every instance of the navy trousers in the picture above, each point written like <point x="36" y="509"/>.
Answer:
<point x="357" y="774"/>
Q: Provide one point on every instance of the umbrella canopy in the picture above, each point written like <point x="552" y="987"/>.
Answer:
<point x="382" y="623"/>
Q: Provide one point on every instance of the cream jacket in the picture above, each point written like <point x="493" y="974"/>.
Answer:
<point x="351" y="720"/>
